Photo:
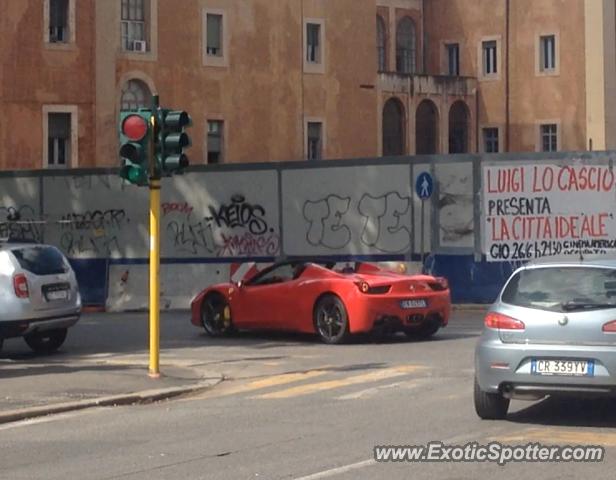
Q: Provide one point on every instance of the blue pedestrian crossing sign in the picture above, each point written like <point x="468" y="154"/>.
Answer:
<point x="424" y="185"/>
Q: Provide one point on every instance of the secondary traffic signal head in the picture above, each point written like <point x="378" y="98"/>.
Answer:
<point x="135" y="137"/>
<point x="171" y="140"/>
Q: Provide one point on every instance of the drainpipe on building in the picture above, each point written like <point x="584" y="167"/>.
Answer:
<point x="507" y="99"/>
<point x="424" y="37"/>
<point x="301" y="72"/>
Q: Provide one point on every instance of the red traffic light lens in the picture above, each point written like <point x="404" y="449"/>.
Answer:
<point x="134" y="127"/>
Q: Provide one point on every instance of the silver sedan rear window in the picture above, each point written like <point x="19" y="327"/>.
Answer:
<point x="563" y="289"/>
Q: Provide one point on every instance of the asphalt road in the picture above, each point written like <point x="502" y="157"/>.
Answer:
<point x="292" y="408"/>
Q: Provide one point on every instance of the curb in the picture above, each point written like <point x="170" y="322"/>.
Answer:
<point x="144" y="397"/>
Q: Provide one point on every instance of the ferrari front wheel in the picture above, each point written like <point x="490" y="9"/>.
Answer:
<point x="331" y="320"/>
<point x="216" y="315"/>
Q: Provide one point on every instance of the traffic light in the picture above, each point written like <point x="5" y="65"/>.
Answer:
<point x="135" y="138"/>
<point x="171" y="140"/>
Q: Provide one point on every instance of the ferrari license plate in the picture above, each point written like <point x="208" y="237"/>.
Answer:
<point x="415" y="303"/>
<point x="575" y="368"/>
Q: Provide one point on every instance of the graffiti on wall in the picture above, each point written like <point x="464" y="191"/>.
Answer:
<point x="93" y="232"/>
<point x="236" y="228"/>
<point x="20" y="223"/>
<point x="384" y="222"/>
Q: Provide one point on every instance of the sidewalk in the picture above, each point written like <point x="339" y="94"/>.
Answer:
<point x="40" y="386"/>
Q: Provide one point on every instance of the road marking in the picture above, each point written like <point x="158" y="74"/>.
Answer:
<point x="272" y="381"/>
<point x="372" y="391"/>
<point x="371" y="461"/>
<point x="51" y="418"/>
<point x="338" y="470"/>
<point x="374" y="376"/>
<point x="560" y="437"/>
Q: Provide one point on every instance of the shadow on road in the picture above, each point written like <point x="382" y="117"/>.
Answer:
<point x="568" y="412"/>
<point x="30" y="370"/>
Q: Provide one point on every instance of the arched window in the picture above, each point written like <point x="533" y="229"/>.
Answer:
<point x="406" y="46"/>
<point x="426" y="128"/>
<point x="393" y="128"/>
<point x="136" y="94"/>
<point x="458" y="128"/>
<point x="381" y="42"/>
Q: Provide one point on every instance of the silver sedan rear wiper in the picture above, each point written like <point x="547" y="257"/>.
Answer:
<point x="571" y="306"/>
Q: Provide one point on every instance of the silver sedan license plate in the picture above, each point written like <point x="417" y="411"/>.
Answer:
<point x="415" y="303"/>
<point x="562" y="367"/>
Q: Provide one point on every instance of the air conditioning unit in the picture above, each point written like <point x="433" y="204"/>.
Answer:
<point x="140" y="46"/>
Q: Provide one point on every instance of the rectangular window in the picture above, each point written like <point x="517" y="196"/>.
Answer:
<point x="58" y="21"/>
<point x="453" y="59"/>
<point x="490" y="140"/>
<point x="549" y="137"/>
<point x="214" y="35"/>
<point x="134" y="26"/>
<point x="313" y="42"/>
<point x="58" y="139"/>
<point x="314" y="141"/>
<point x="215" y="141"/>
<point x="547" y="53"/>
<point x="490" y="64"/>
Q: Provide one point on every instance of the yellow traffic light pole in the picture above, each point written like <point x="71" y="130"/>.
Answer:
<point x="154" y="369"/>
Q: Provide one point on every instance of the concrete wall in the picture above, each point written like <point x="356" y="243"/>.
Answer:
<point x="216" y="219"/>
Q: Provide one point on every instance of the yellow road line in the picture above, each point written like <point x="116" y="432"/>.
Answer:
<point x="552" y="435"/>
<point x="373" y="376"/>
<point x="272" y="381"/>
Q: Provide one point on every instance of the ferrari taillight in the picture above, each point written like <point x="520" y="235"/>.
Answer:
<point x="364" y="287"/>
<point x="610" y="327"/>
<point x="20" y="285"/>
<point x="503" y="322"/>
<point x="439" y="284"/>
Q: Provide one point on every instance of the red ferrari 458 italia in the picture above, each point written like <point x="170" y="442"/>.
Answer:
<point x="316" y="298"/>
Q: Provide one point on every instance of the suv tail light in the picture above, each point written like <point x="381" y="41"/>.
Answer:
<point x="20" y="284"/>
<point x="610" y="327"/>
<point x="503" y="322"/>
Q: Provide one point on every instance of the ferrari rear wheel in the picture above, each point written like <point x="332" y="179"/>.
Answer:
<point x="331" y="320"/>
<point x="424" y="331"/>
<point x="216" y="316"/>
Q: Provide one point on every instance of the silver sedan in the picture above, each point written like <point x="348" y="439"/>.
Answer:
<point x="552" y="331"/>
<point x="39" y="295"/>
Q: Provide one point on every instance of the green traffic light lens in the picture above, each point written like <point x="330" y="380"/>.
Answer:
<point x="137" y="176"/>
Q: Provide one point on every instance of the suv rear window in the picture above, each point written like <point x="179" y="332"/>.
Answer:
<point x="40" y="260"/>
<point x="563" y="289"/>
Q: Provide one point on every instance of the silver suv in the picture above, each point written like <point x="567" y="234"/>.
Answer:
<point x="39" y="295"/>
